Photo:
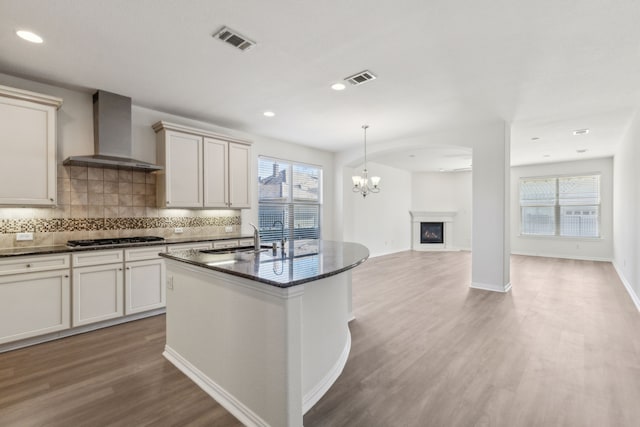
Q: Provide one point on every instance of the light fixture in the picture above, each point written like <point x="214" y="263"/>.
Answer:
<point x="535" y="138"/>
<point x="580" y="132"/>
<point x="338" y="86"/>
<point x="29" y="36"/>
<point x="361" y="182"/>
<point x="269" y="114"/>
<point x="581" y="150"/>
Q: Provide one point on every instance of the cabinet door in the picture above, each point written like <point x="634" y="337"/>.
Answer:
<point x="28" y="160"/>
<point x="144" y="286"/>
<point x="97" y="293"/>
<point x="183" y="170"/>
<point x="239" y="176"/>
<point x="34" y="304"/>
<point x="216" y="194"/>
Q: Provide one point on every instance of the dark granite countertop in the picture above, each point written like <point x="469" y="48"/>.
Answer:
<point x="45" y="250"/>
<point x="308" y="260"/>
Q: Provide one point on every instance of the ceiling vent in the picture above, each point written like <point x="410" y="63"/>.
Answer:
<point x="361" y="77"/>
<point x="235" y="39"/>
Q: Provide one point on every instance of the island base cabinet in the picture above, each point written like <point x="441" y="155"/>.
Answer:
<point x="97" y="293"/>
<point x="34" y="304"/>
<point x="144" y="286"/>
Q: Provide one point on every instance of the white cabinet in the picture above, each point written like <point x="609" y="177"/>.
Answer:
<point x="98" y="286"/>
<point x="28" y="141"/>
<point x="97" y="293"/>
<point x="180" y="184"/>
<point x="144" y="280"/>
<point x="35" y="303"/>
<point x="202" y="169"/>
<point x="187" y="246"/>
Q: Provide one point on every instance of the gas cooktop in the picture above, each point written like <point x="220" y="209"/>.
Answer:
<point x="114" y="241"/>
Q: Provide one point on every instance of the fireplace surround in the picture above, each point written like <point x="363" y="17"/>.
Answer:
<point x="432" y="241"/>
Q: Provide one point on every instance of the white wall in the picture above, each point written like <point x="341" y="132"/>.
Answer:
<point x="626" y="207"/>
<point x="75" y="137"/>
<point x="566" y="247"/>
<point x="446" y="191"/>
<point x="380" y="221"/>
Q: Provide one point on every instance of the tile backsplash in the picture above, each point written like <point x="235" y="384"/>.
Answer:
<point x="102" y="203"/>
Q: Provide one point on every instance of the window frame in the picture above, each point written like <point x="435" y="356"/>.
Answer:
<point x="557" y="206"/>
<point x="291" y="203"/>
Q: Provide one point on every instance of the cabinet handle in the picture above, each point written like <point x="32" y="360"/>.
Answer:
<point x="119" y="269"/>
<point x="66" y="276"/>
<point x="28" y="265"/>
<point x="229" y="203"/>
<point x="168" y="202"/>
<point x="128" y="268"/>
<point x="51" y="199"/>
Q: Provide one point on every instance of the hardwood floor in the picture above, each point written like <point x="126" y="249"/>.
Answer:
<point x="561" y="349"/>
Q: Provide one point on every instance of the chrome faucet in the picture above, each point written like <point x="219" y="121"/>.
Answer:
<point x="256" y="237"/>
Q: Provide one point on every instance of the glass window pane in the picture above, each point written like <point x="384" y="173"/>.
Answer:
<point x="538" y="192"/>
<point x="273" y="222"/>
<point x="579" y="190"/>
<point x="579" y="221"/>
<point x="538" y="221"/>
<point x="306" y="221"/>
<point x="306" y="183"/>
<point x="273" y="180"/>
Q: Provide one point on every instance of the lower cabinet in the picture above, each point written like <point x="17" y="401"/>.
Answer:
<point x="144" y="285"/>
<point x="97" y="293"/>
<point x="34" y="304"/>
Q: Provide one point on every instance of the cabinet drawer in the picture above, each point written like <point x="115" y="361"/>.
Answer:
<point x="139" y="254"/>
<point x="246" y="242"/>
<point x="29" y="264"/>
<point x="224" y="244"/>
<point x="97" y="257"/>
<point x="187" y="246"/>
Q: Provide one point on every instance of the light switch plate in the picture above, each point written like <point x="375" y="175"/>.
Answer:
<point x="228" y="229"/>
<point x="24" y="236"/>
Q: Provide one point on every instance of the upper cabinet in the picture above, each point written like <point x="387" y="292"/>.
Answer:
<point x="28" y="141"/>
<point x="202" y="169"/>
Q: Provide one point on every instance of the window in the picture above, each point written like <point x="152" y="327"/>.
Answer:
<point x="560" y="206"/>
<point x="289" y="200"/>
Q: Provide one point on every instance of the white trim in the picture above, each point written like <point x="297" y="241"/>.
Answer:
<point x="491" y="287"/>
<point x="25" y="95"/>
<point x="627" y="286"/>
<point x="245" y="415"/>
<point x="581" y="258"/>
<point x="158" y="126"/>
<point x="319" y="390"/>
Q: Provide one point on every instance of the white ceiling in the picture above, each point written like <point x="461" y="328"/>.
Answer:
<point x="546" y="67"/>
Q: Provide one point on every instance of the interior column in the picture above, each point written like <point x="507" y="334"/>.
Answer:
<point x="490" y="235"/>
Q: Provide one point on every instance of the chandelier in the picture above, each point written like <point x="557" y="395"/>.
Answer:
<point x="361" y="183"/>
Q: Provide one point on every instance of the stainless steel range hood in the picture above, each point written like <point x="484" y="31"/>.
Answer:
<point x="111" y="136"/>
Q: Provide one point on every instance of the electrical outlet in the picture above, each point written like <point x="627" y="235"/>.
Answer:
<point x="228" y="229"/>
<point x="170" y="283"/>
<point x="24" y="236"/>
<point x="178" y="230"/>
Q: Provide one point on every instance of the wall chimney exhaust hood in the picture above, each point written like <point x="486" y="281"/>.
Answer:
<point x="111" y="136"/>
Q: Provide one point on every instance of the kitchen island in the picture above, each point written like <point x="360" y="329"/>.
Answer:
<point x="264" y="333"/>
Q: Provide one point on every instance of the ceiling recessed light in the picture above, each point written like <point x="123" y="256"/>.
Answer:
<point x="535" y="138"/>
<point x="547" y="155"/>
<point x="580" y="132"/>
<point x="338" y="86"/>
<point x="412" y="155"/>
<point x="440" y="170"/>
<point x="29" y="36"/>
<point x="269" y="113"/>
<point x="582" y="150"/>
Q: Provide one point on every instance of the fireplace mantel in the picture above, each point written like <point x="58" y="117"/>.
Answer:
<point x="447" y="217"/>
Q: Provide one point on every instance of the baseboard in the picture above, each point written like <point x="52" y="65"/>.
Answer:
<point x="579" y="258"/>
<point x="491" y="287"/>
<point x="312" y="397"/>
<point x="245" y="415"/>
<point x="627" y="286"/>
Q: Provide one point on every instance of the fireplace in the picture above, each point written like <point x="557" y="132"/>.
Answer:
<point x="431" y="232"/>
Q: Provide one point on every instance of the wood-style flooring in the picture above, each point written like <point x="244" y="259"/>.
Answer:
<point x="561" y="349"/>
